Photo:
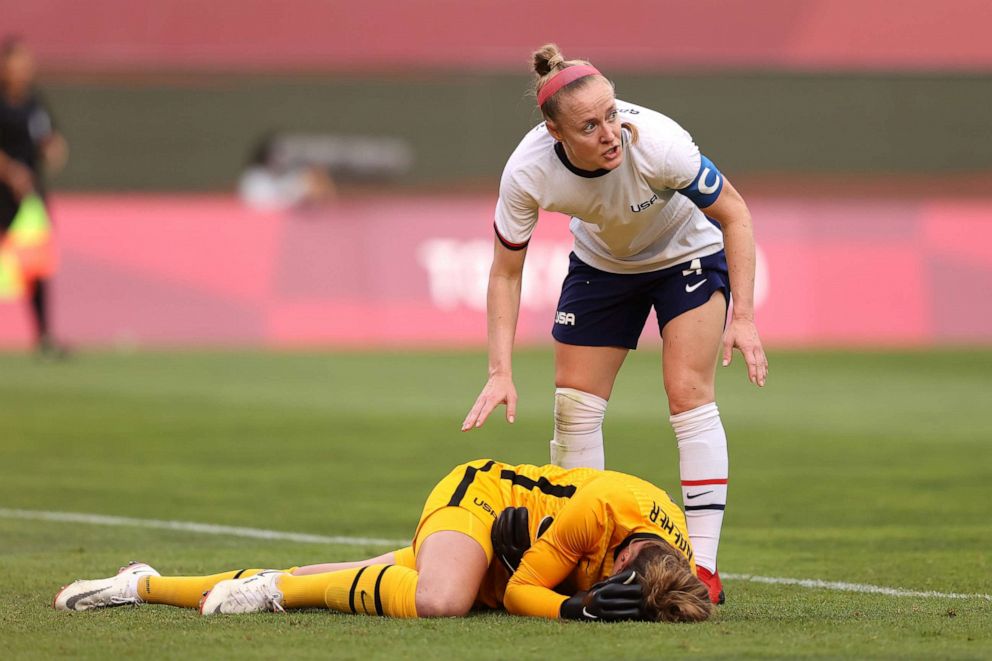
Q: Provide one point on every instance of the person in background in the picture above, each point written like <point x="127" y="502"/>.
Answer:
<point x="29" y="146"/>
<point x="656" y="225"/>
<point x="270" y="184"/>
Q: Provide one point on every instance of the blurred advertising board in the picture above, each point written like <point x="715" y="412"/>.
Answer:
<point x="152" y="270"/>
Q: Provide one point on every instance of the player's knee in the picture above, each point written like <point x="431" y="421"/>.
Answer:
<point x="578" y="412"/>
<point x="443" y="602"/>
<point x="687" y="393"/>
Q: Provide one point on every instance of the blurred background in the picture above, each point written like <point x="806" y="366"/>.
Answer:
<point x="269" y="248"/>
<point x="323" y="173"/>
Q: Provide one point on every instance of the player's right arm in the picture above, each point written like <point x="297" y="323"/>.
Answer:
<point x="516" y="216"/>
<point x="502" y="310"/>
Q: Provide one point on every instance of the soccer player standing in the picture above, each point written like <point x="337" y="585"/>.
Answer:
<point x="655" y="225"/>
<point x="28" y="141"/>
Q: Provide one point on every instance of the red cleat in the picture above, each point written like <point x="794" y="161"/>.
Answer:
<point x="712" y="582"/>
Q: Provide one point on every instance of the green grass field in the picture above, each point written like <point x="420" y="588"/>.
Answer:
<point x="871" y="468"/>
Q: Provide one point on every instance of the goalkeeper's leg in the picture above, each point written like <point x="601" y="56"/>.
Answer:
<point x="449" y="569"/>
<point x="323" y="568"/>
<point x="186" y="591"/>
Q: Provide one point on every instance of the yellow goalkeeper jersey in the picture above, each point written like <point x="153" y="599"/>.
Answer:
<point x="595" y="515"/>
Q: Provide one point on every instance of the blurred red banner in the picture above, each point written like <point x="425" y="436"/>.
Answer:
<point x="411" y="271"/>
<point x="340" y="35"/>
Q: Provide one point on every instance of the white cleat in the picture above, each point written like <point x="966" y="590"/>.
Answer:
<point x="254" y="594"/>
<point x="120" y="590"/>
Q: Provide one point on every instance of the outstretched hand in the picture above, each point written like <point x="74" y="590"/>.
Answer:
<point x="499" y="390"/>
<point x="743" y="334"/>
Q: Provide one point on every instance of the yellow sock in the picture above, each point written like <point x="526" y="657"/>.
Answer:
<point x="374" y="590"/>
<point x="184" y="591"/>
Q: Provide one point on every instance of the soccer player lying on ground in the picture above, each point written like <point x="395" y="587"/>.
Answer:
<point x="542" y="541"/>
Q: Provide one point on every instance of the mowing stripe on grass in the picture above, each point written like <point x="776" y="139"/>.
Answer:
<point x="191" y="526"/>
<point x="259" y="533"/>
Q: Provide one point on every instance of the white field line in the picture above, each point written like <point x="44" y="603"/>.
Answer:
<point x="259" y="533"/>
<point x="204" y="528"/>
<point x="853" y="587"/>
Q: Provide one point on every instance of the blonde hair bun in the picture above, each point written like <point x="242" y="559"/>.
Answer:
<point x="547" y="58"/>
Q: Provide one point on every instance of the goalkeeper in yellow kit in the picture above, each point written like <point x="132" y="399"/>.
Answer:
<point x="542" y="541"/>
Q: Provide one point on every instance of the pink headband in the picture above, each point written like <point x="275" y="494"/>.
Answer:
<point x="564" y="77"/>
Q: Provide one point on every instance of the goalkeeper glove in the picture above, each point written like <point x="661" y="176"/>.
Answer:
<point x="617" y="598"/>
<point x="511" y="535"/>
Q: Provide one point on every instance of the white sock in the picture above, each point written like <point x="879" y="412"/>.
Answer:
<point x="131" y="591"/>
<point x="578" y="441"/>
<point x="703" y="468"/>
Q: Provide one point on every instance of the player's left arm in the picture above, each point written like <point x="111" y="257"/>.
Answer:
<point x="577" y="533"/>
<point x="730" y="210"/>
<point x="676" y="163"/>
<point x="552" y="558"/>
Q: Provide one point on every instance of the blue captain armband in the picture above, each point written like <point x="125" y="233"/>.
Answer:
<point x="706" y="187"/>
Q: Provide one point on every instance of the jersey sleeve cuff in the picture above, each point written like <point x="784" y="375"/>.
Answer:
<point x="509" y="245"/>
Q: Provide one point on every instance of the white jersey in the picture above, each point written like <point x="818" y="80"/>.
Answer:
<point x="628" y="220"/>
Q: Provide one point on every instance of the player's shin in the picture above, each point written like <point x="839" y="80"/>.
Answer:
<point x="184" y="591"/>
<point x="578" y="441"/>
<point x="703" y="466"/>
<point x="374" y="590"/>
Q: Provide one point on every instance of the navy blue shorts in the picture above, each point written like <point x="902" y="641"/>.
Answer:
<point x="600" y="309"/>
